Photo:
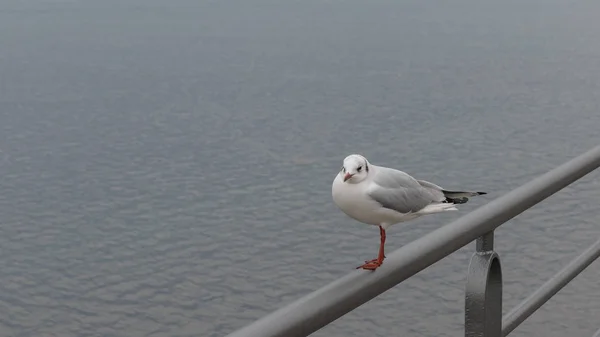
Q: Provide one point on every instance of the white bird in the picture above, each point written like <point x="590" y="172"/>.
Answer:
<point x="383" y="196"/>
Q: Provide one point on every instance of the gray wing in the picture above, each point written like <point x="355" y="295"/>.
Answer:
<point x="400" y="192"/>
<point x="436" y="190"/>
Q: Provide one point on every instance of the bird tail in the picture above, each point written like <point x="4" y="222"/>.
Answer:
<point x="460" y="197"/>
<point x="437" y="208"/>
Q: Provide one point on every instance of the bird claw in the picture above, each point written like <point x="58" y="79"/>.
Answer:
<point x="374" y="260"/>
<point x="370" y="265"/>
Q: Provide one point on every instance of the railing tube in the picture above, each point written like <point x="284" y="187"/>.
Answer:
<point x="524" y="309"/>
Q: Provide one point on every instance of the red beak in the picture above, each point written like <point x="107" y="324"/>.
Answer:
<point x="347" y="176"/>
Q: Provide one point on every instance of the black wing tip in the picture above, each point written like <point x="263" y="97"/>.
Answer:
<point x="457" y="201"/>
<point x="461" y="200"/>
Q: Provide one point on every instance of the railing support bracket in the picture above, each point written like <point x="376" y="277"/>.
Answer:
<point x="483" y="296"/>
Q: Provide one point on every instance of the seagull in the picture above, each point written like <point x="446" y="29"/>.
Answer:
<point x="382" y="196"/>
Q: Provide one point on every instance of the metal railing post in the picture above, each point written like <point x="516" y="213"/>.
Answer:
<point x="483" y="296"/>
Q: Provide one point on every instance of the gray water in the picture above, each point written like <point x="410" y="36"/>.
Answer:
<point x="166" y="167"/>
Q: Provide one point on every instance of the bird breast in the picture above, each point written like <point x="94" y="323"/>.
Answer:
<point x="352" y="200"/>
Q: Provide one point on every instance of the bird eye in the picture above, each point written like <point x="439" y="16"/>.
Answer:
<point x="343" y="169"/>
<point x="359" y="168"/>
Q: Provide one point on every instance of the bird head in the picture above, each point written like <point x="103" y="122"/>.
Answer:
<point x="355" y="169"/>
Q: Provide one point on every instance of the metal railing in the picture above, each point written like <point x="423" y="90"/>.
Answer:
<point x="483" y="298"/>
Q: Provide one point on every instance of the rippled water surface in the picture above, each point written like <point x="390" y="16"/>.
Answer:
<point x="166" y="167"/>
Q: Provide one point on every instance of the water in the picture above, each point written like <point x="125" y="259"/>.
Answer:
<point x="166" y="168"/>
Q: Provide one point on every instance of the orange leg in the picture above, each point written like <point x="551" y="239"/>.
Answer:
<point x="373" y="264"/>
